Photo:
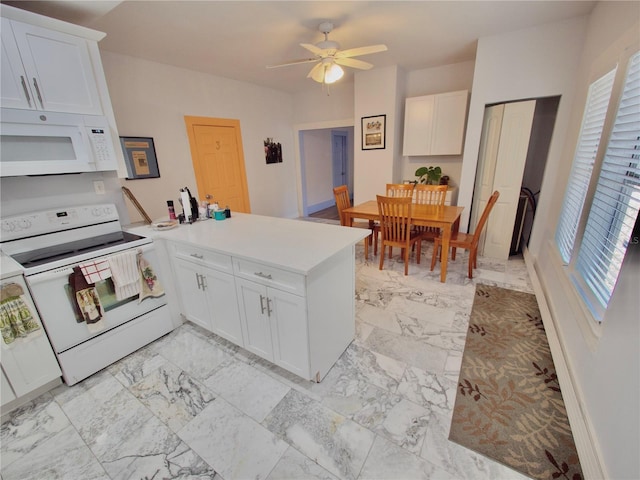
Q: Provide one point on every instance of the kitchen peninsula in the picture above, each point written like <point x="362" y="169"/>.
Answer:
<point x="282" y="289"/>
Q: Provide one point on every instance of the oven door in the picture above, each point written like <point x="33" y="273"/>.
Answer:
<point x="54" y="299"/>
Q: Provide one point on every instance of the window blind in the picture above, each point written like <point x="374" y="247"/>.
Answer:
<point x="588" y="141"/>
<point x="617" y="198"/>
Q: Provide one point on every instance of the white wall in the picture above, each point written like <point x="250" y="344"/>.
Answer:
<point x="151" y="99"/>
<point x="314" y="105"/>
<point x="29" y="194"/>
<point x="376" y="93"/>
<point x="606" y="370"/>
<point x="530" y="63"/>
<point x="318" y="167"/>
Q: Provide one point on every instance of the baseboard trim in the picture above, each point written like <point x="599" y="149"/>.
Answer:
<point x="8" y="407"/>
<point x="586" y="444"/>
<point x="320" y="206"/>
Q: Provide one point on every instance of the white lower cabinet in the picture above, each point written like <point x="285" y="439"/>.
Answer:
<point x="275" y="325"/>
<point x="6" y="392"/>
<point x="194" y="304"/>
<point x="300" y="322"/>
<point x="30" y="363"/>
<point x="208" y="295"/>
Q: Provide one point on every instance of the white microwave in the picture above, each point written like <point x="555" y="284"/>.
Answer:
<point x="43" y="143"/>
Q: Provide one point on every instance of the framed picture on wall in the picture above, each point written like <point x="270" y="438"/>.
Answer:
<point x="373" y="132"/>
<point x="140" y="157"/>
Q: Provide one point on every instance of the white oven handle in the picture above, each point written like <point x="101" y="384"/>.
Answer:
<point x="66" y="271"/>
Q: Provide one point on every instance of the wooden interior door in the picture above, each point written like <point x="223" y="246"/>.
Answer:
<point x="218" y="161"/>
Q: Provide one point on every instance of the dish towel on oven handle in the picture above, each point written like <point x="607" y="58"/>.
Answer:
<point x="125" y="274"/>
<point x="149" y="284"/>
<point x="16" y="319"/>
<point x="86" y="301"/>
<point x="96" y="270"/>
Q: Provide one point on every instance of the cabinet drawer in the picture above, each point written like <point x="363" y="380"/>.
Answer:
<point x="203" y="257"/>
<point x="270" y="276"/>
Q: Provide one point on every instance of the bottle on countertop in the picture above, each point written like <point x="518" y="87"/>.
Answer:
<point x="227" y="212"/>
<point x="203" y="210"/>
<point x="212" y="209"/>
<point x="172" y="210"/>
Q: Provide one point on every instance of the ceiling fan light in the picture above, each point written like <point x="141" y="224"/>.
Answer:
<point x="333" y="73"/>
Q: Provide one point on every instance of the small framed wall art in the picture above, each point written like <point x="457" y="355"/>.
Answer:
<point x="373" y="132"/>
<point x="140" y="157"/>
<point x="272" y="151"/>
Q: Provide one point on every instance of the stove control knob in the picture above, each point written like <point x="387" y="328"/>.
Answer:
<point x="8" y="226"/>
<point x="96" y="212"/>
<point x="24" y="224"/>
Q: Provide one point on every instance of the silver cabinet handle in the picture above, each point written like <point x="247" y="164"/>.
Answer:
<point x="204" y="282"/>
<point x="26" y="90"/>
<point x="262" y="303"/>
<point x="35" y="84"/>
<point x="199" y="280"/>
<point x="263" y="275"/>
<point x="269" y="307"/>
<point x="198" y="256"/>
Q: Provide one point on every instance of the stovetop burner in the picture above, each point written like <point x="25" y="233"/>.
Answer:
<point x="50" y="254"/>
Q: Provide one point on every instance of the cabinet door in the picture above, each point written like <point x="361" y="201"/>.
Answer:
<point x="59" y="69"/>
<point x="418" y="124"/>
<point x="288" y="318"/>
<point x="6" y="394"/>
<point x="29" y="364"/>
<point x="252" y="300"/>
<point x="220" y="289"/>
<point x="14" y="83"/>
<point x="194" y="302"/>
<point x="449" y="115"/>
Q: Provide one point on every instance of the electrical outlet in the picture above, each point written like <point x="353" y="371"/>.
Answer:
<point x="98" y="186"/>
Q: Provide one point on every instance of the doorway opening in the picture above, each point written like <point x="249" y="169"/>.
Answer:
<point x="326" y="161"/>
<point x="515" y="142"/>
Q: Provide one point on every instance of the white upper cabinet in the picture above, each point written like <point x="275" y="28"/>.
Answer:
<point x="14" y="83"/>
<point x="47" y="70"/>
<point x="434" y="124"/>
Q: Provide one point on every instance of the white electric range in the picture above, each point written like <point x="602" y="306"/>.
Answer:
<point x="49" y="245"/>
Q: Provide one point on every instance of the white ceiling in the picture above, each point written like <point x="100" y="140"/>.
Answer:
<point x="237" y="39"/>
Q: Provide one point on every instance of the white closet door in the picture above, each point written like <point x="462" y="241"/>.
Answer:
<point x="512" y="155"/>
<point x="487" y="157"/>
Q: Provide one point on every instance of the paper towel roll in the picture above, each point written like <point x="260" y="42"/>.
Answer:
<point x="186" y="205"/>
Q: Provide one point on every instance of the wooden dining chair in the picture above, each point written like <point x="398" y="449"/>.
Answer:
<point x="400" y="189"/>
<point x="429" y="195"/>
<point x="343" y="200"/>
<point x="395" y="228"/>
<point x="465" y="240"/>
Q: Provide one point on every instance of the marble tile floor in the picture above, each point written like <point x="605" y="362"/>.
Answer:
<point x="193" y="406"/>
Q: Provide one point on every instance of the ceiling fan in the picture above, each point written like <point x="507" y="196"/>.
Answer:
<point x="329" y="57"/>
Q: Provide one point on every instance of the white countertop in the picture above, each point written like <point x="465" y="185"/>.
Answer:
<point x="9" y="267"/>
<point x="294" y="245"/>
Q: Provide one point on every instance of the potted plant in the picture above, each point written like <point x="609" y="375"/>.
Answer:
<point x="429" y="175"/>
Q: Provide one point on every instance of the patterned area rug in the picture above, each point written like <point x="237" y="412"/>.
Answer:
<point x="509" y="406"/>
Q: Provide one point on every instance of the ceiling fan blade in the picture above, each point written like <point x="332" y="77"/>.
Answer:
<point x="317" y="72"/>
<point x="293" y="62"/>
<point x="312" y="48"/>
<point x="354" y="52"/>
<point x="352" y="62"/>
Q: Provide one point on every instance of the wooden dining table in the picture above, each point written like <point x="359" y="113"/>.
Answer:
<point x="446" y="218"/>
